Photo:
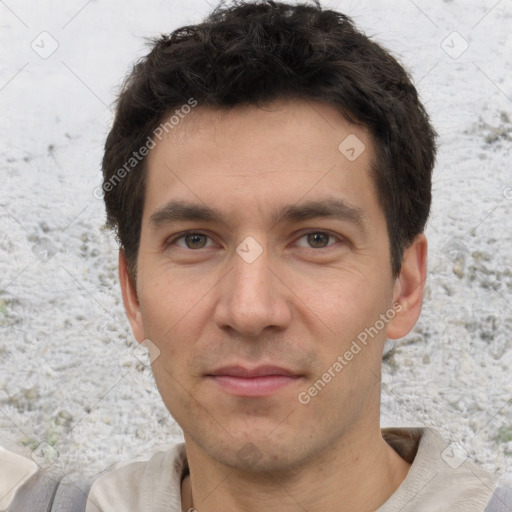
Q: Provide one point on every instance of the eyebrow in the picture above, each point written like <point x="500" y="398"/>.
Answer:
<point x="175" y="211"/>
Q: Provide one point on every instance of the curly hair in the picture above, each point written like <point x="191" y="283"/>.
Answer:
<point x="254" y="53"/>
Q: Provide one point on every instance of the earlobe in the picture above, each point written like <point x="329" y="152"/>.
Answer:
<point x="130" y="299"/>
<point x="408" y="288"/>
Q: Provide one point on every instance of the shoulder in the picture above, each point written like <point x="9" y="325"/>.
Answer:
<point x="15" y="470"/>
<point x="141" y="485"/>
<point x="152" y="485"/>
<point x="441" y="476"/>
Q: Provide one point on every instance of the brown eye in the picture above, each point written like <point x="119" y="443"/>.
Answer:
<point x="189" y="241"/>
<point x="318" y="240"/>
<point x="195" y="240"/>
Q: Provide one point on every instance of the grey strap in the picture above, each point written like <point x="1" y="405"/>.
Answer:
<point x="70" y="497"/>
<point x="36" y="495"/>
<point x="44" y="493"/>
<point x="501" y="500"/>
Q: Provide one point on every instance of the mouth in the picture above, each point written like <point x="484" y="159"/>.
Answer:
<point x="253" y="382"/>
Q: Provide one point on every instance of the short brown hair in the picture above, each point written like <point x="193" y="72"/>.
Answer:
<point x="257" y="52"/>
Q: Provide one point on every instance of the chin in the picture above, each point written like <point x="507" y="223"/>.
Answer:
<point x="259" y="454"/>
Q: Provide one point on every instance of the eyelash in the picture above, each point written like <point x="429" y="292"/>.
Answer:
<point x="181" y="236"/>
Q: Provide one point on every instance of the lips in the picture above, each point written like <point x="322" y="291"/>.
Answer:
<point x="259" y="371"/>
<point x="253" y="382"/>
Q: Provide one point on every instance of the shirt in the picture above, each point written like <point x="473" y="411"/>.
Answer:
<point x="436" y="482"/>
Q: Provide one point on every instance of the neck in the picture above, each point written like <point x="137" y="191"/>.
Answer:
<point x="359" y="474"/>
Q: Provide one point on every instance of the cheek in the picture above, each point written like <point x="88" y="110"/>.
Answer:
<point x="344" y="301"/>
<point x="166" y="300"/>
<point x="346" y="314"/>
<point x="175" y="311"/>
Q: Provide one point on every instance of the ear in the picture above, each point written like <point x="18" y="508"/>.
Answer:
<point x="130" y="299"/>
<point x="408" y="289"/>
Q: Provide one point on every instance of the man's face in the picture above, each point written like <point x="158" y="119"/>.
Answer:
<point x="268" y="280"/>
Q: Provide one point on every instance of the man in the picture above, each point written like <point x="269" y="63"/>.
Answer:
<point x="268" y="175"/>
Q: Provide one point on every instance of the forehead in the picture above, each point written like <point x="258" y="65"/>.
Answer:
<point x="286" y="151"/>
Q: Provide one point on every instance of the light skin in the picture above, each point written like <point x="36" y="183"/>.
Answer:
<point x="298" y="305"/>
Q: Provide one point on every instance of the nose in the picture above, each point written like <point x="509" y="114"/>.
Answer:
<point x="252" y="298"/>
